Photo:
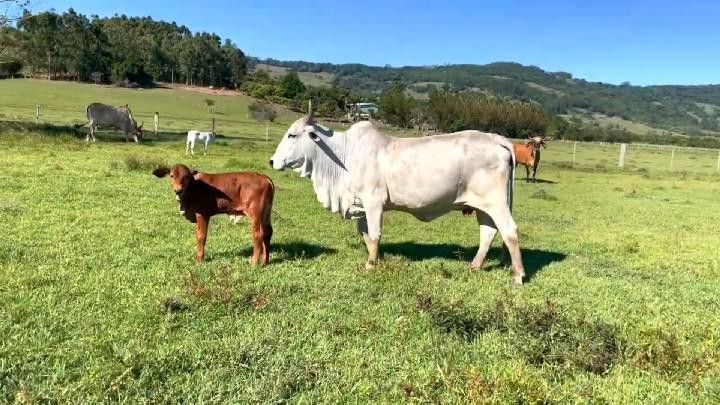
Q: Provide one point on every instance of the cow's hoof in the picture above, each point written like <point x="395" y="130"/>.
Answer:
<point x="369" y="266"/>
<point x="475" y="265"/>
<point x="517" y="281"/>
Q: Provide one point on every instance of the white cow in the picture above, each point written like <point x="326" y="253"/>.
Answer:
<point x="361" y="173"/>
<point x="194" y="136"/>
<point x="117" y="117"/>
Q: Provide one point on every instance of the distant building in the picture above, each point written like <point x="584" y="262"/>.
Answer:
<point x="362" y="111"/>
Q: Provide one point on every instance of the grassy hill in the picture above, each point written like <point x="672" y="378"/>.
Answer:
<point x="692" y="110"/>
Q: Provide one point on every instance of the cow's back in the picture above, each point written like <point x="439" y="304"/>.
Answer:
<point x="435" y="170"/>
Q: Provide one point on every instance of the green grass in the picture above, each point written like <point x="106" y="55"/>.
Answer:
<point x="103" y="302"/>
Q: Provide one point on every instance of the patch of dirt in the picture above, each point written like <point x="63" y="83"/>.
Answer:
<point x="203" y="90"/>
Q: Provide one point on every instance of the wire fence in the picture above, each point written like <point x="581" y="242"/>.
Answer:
<point x="566" y="153"/>
<point x="632" y="157"/>
<point x="238" y="125"/>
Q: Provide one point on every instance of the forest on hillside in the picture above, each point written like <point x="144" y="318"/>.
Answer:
<point x="119" y="49"/>
<point x="693" y="110"/>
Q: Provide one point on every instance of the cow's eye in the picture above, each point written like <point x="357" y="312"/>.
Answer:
<point x="292" y="136"/>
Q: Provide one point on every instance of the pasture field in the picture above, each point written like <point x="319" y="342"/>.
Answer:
<point x="102" y="301"/>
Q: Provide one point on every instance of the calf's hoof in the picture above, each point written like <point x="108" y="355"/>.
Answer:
<point x="518" y="280"/>
<point x="370" y="265"/>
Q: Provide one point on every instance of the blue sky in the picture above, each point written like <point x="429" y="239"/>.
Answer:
<point x="643" y="41"/>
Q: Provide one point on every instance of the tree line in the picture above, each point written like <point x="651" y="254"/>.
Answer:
<point x="122" y="49"/>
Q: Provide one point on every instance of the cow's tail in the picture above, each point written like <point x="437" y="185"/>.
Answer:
<point x="87" y="114"/>
<point x="511" y="180"/>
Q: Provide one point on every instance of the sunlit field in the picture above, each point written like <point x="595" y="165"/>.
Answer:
<point x="102" y="300"/>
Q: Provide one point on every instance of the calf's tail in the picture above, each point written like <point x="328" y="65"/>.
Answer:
<point x="267" y="210"/>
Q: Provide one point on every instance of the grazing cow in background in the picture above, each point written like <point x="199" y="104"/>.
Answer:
<point x="239" y="194"/>
<point x="528" y="154"/>
<point x="194" y="136"/>
<point x="362" y="172"/>
<point x="117" y="117"/>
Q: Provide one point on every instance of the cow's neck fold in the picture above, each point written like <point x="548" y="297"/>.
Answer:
<point x="330" y="168"/>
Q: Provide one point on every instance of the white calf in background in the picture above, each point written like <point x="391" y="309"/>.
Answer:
<point x="194" y="136"/>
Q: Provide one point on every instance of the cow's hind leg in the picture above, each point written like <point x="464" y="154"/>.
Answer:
<point x="505" y="224"/>
<point x="508" y="230"/>
<point x="487" y="235"/>
<point x="370" y="226"/>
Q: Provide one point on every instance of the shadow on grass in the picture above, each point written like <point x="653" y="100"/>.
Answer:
<point x="280" y="252"/>
<point x="534" y="260"/>
<point x="539" y="181"/>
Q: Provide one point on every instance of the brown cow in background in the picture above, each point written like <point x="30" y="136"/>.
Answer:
<point x="240" y="194"/>
<point x="528" y="154"/>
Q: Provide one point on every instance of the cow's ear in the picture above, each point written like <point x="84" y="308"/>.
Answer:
<point x="161" y="172"/>
<point x="314" y="136"/>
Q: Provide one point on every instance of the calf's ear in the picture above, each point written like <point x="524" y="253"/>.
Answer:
<point x="161" y="172"/>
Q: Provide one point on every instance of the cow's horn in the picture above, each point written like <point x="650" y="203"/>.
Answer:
<point x="311" y="112"/>
<point x="141" y="124"/>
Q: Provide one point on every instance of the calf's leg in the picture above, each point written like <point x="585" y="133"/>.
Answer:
<point x="258" y="241"/>
<point x="201" y="228"/>
<point x="268" y="231"/>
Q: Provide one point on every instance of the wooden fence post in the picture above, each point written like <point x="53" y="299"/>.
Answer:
<point x="621" y="161"/>
<point x="37" y="114"/>
<point x="672" y="158"/>
<point x="718" y="164"/>
<point x="574" y="151"/>
<point x="213" y="125"/>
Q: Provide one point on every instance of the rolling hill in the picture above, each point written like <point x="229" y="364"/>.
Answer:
<point x="691" y="110"/>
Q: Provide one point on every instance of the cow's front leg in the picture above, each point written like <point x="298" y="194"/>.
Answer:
<point x="201" y="228"/>
<point x="370" y="227"/>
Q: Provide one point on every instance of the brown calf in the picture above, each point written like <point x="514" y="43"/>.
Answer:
<point x="528" y="154"/>
<point x="240" y="194"/>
